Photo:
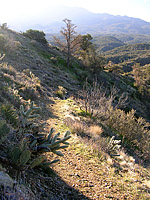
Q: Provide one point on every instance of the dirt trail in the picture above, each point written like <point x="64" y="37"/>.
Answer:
<point x="92" y="178"/>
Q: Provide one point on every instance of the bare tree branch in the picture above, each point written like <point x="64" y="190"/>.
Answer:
<point x="71" y="39"/>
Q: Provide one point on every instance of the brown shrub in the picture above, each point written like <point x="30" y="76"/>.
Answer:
<point x="95" y="130"/>
<point x="97" y="103"/>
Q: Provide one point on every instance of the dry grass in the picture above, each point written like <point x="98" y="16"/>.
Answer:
<point x="81" y="127"/>
<point x="95" y="130"/>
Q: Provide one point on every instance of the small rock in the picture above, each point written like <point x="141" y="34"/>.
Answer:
<point x="6" y="180"/>
<point x="77" y="175"/>
<point x="91" y="185"/>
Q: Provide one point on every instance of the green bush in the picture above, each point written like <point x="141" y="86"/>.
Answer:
<point x="36" y="35"/>
<point x="4" y="130"/>
<point x="134" y="130"/>
<point x="9" y="114"/>
<point x="28" y="92"/>
<point x="61" y="92"/>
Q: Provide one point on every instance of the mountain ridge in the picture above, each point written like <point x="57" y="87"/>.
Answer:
<point x="103" y="23"/>
<point x="86" y="21"/>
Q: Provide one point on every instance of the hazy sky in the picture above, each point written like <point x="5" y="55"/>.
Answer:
<point x="15" y="10"/>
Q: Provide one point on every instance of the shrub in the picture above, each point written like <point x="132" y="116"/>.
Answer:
<point x="79" y="128"/>
<point x="28" y="92"/>
<point x="96" y="102"/>
<point x="9" y="114"/>
<point x="36" y="35"/>
<point x="4" y="131"/>
<point x="142" y="79"/>
<point x="114" y="68"/>
<point x="136" y="131"/>
<point x="2" y="43"/>
<point x="95" y="130"/>
<point x="30" y="87"/>
<point x="14" y="97"/>
<point x="8" y="69"/>
<point x="4" y="26"/>
<point x="61" y="92"/>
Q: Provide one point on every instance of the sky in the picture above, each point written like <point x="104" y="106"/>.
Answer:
<point x="20" y="10"/>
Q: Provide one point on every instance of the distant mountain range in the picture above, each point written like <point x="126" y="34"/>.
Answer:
<point x="88" y="22"/>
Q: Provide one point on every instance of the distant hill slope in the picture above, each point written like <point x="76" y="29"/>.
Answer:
<point x="133" y="38"/>
<point x="130" y="54"/>
<point x="106" y="43"/>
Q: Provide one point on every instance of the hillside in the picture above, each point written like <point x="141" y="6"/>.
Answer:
<point x="106" y="43"/>
<point x="127" y="55"/>
<point x="102" y="160"/>
<point x="133" y="38"/>
<point x="109" y="42"/>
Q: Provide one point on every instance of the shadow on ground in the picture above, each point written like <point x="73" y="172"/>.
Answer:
<point x="50" y="186"/>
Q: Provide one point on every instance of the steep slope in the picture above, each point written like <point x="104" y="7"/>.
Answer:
<point x="23" y="54"/>
<point x="31" y="71"/>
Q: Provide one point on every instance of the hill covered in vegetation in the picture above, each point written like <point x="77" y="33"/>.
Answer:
<point x="107" y="153"/>
<point x="133" y="38"/>
<point x="130" y="54"/>
<point x="106" y="43"/>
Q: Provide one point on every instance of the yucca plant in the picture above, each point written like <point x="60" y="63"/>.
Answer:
<point x="30" y="152"/>
<point x="113" y="145"/>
